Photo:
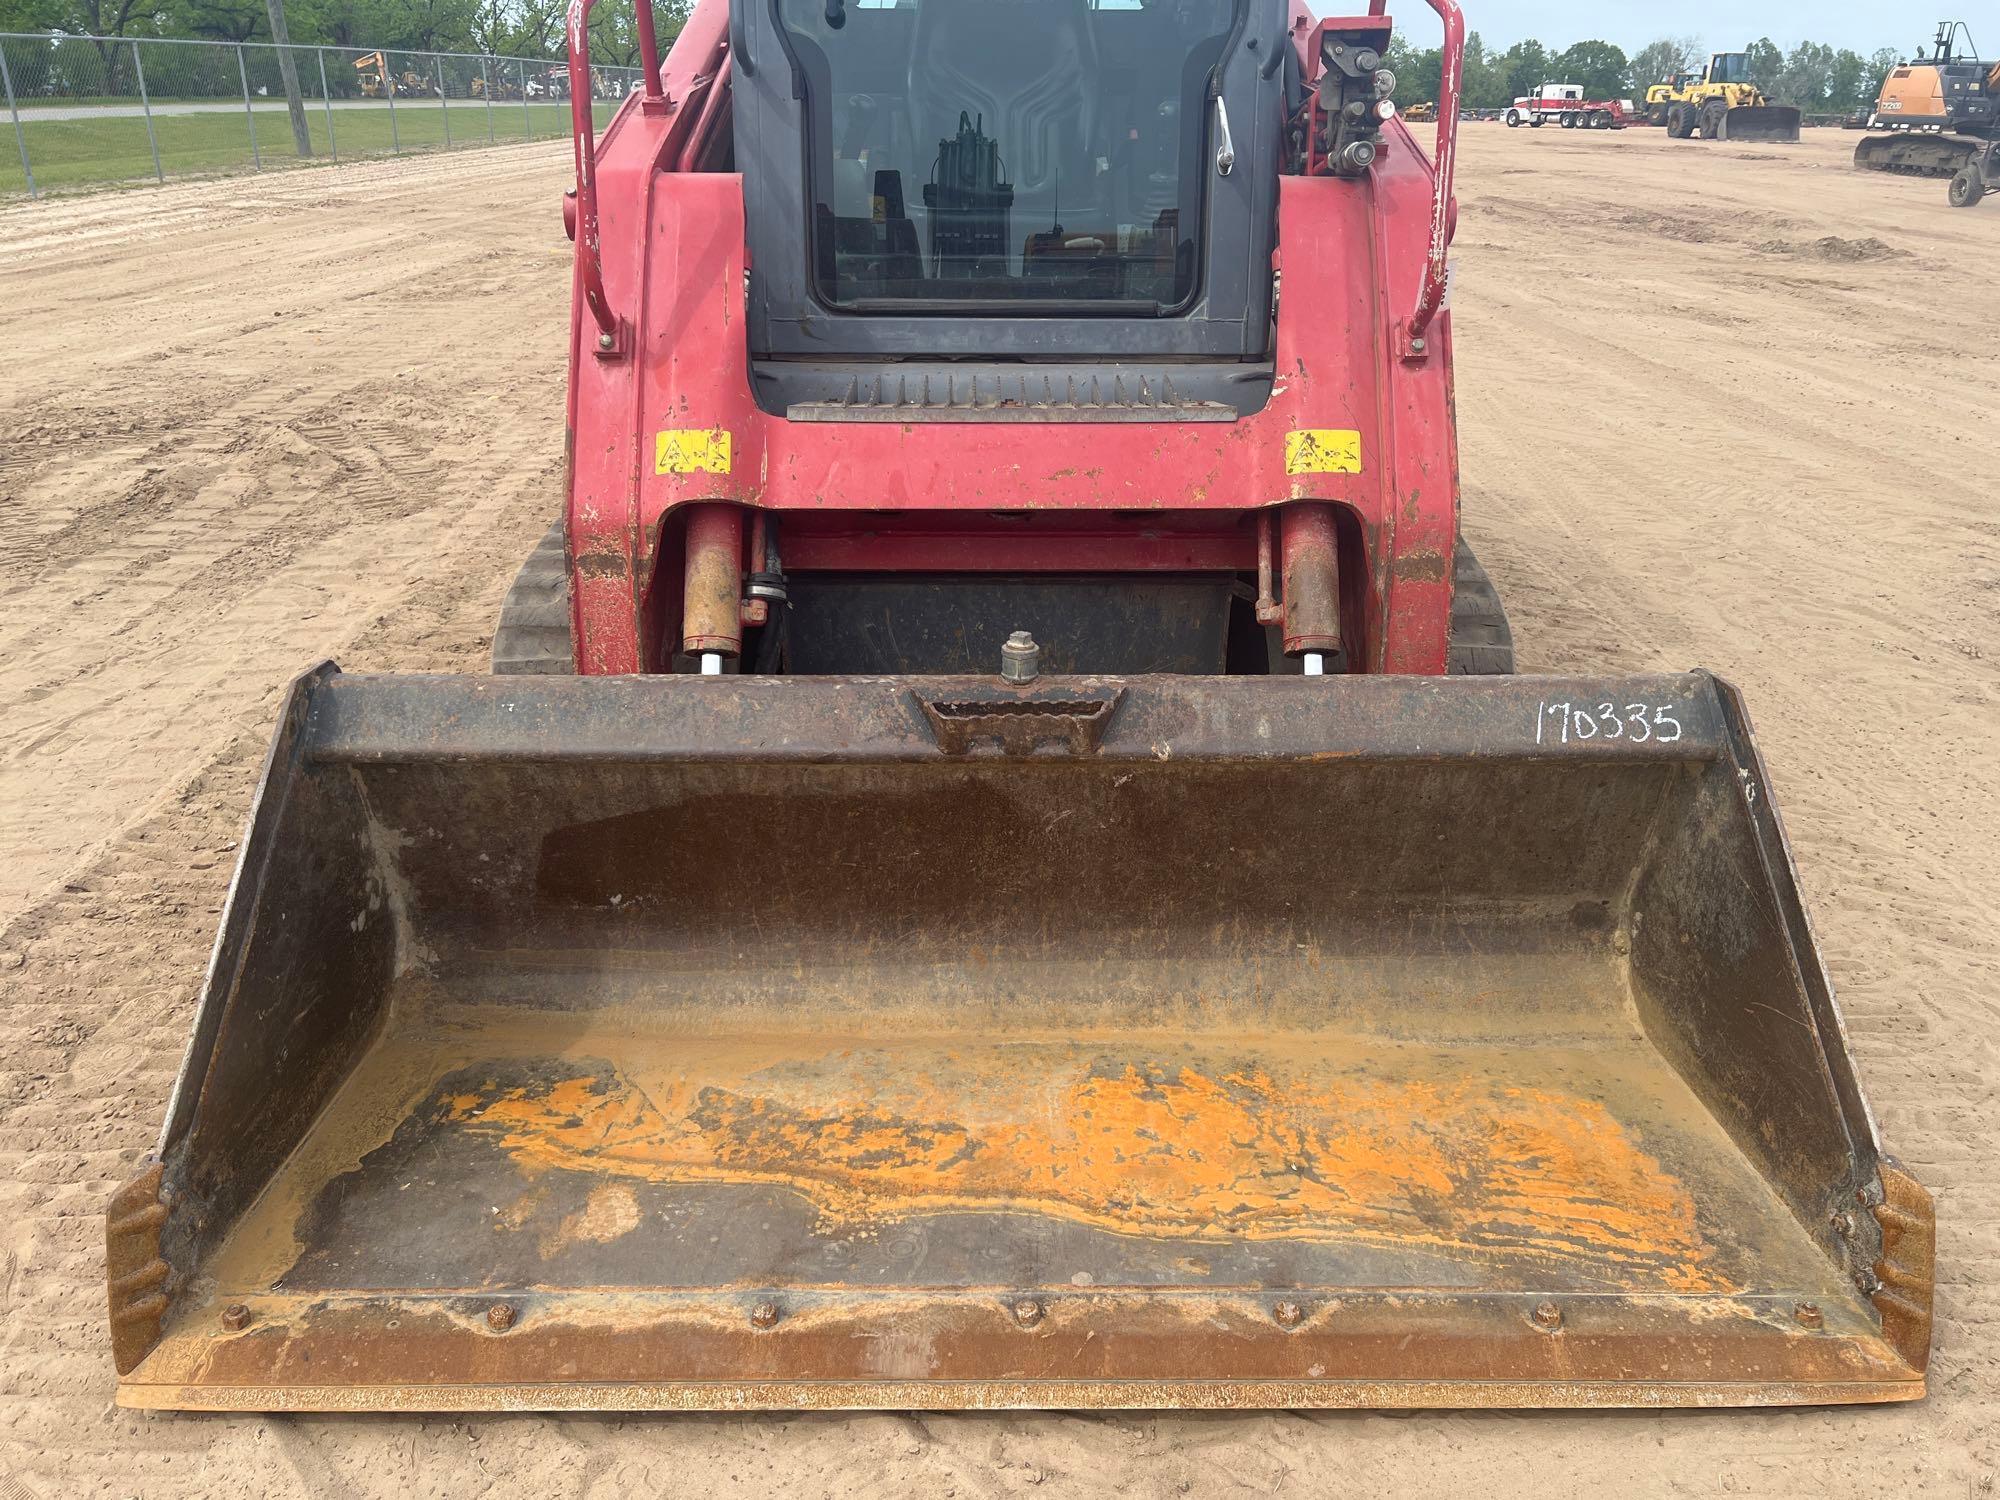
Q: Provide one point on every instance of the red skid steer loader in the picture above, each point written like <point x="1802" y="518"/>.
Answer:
<point x="1002" y="863"/>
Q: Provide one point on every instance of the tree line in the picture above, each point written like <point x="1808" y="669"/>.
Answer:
<point x="505" y="28"/>
<point x="1813" y="76"/>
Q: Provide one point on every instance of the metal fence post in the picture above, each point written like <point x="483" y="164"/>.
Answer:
<point x="527" y="119"/>
<point x="438" y="64"/>
<point x="250" y="119"/>
<point x="486" y="88"/>
<point x="139" y="71"/>
<point x="14" y="109"/>
<point x="389" y="89"/>
<point x="326" y="98"/>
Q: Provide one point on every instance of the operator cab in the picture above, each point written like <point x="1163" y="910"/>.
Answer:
<point x="1730" y="67"/>
<point x="997" y="196"/>
<point x="938" y="180"/>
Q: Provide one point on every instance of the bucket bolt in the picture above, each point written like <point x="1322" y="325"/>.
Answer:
<point x="1287" y="1313"/>
<point x="1548" y="1316"/>
<point x="500" y="1317"/>
<point x="765" y="1314"/>
<point x="1028" y="1312"/>
<point x="236" y="1317"/>
<point x="1020" y="658"/>
<point x="1808" y="1315"/>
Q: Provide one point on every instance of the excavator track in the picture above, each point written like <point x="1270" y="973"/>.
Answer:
<point x="1917" y="155"/>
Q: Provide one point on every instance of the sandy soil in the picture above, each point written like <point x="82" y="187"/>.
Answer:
<point x="1726" y="406"/>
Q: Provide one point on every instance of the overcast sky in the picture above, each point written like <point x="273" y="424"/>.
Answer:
<point x="1724" y="25"/>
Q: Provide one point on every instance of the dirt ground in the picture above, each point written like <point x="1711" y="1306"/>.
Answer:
<point x="1721" y="405"/>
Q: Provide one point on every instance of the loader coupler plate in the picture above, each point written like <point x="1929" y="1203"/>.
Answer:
<point x="1157" y="1069"/>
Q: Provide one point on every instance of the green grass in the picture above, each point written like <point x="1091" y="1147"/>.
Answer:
<point x="72" y="154"/>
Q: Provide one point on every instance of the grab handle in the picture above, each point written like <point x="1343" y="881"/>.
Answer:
<point x="583" y="128"/>
<point x="1414" y="336"/>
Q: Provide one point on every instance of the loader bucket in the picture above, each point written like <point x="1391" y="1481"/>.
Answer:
<point x="1778" y="123"/>
<point x="817" y="1042"/>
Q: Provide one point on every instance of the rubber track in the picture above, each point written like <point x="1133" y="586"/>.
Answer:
<point x="534" y="630"/>
<point x="1482" y="642"/>
<point x="1905" y="154"/>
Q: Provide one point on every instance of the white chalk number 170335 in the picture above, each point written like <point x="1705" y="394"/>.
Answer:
<point x="1573" y="723"/>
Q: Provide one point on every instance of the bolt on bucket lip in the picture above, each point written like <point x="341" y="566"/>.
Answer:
<point x="996" y="1349"/>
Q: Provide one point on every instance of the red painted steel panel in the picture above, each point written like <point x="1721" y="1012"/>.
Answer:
<point x="1356" y="258"/>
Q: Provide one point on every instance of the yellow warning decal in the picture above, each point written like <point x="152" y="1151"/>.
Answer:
<point x="1322" y="450"/>
<point x="692" y="450"/>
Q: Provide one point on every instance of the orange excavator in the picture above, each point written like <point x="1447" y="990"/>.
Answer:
<point x="1939" y="116"/>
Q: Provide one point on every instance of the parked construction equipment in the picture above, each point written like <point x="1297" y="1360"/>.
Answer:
<point x="1940" y="112"/>
<point x="1675" y="88"/>
<point x="377" y="82"/>
<point x="372" y="73"/>
<point x="1007" y="867"/>
<point x="550" y="83"/>
<point x="1977" y="177"/>
<point x="1724" y="104"/>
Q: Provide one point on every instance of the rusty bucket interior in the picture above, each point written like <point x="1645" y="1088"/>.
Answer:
<point x="727" y="1043"/>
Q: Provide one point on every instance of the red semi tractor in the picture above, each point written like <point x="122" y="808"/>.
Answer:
<point x="1564" y="104"/>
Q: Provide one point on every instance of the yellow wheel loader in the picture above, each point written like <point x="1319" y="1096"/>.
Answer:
<point x="1724" y="104"/>
<point x="1675" y="88"/>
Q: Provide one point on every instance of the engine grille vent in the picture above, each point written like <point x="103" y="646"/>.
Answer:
<point x="988" y="397"/>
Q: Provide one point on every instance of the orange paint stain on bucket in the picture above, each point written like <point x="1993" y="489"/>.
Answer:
<point x="1143" y="1146"/>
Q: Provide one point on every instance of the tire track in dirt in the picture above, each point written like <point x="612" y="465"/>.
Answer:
<point x="201" y="535"/>
<point x="1763" y="471"/>
<point x="181" y="539"/>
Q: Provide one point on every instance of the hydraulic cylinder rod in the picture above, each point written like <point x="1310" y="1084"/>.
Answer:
<point x="1311" y="587"/>
<point x="711" y="600"/>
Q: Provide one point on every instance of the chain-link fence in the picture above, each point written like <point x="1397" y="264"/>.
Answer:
<point x="87" y="110"/>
